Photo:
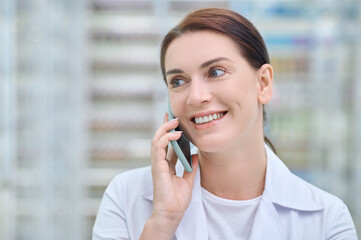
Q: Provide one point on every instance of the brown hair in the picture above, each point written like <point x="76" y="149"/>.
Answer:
<point x="229" y="23"/>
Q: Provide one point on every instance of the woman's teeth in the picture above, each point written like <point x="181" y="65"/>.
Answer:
<point x="208" y="118"/>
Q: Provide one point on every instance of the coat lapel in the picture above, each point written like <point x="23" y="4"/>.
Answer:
<point x="284" y="188"/>
<point x="266" y="224"/>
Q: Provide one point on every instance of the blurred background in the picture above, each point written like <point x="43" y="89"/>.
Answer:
<point x="82" y="95"/>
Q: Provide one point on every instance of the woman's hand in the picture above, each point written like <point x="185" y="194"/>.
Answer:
<point x="172" y="194"/>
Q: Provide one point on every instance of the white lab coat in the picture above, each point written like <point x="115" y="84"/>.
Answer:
<point x="290" y="208"/>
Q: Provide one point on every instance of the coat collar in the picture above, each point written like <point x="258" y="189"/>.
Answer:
<point x="286" y="189"/>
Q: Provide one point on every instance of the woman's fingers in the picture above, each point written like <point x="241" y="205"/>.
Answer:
<point x="163" y="136"/>
<point x="166" y="138"/>
<point x="165" y="128"/>
<point x="172" y="160"/>
<point x="159" y="147"/>
<point x="165" y="119"/>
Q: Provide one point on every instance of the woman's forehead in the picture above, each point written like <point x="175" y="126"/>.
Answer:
<point x="198" y="47"/>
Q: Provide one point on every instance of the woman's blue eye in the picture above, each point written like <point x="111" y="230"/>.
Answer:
<point x="216" y="72"/>
<point x="177" y="82"/>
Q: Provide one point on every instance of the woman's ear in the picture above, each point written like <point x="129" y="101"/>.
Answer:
<point x="265" y="83"/>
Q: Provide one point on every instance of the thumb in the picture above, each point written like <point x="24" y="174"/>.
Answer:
<point x="189" y="176"/>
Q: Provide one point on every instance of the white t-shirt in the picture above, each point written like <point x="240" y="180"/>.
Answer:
<point x="229" y="219"/>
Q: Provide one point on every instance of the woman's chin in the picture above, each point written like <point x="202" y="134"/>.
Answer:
<point x="208" y="146"/>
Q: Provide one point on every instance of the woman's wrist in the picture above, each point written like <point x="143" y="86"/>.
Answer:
<point x="159" y="227"/>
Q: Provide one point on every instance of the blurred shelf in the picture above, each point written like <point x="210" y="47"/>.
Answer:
<point x="126" y="22"/>
<point x="113" y="126"/>
<point x="100" y="176"/>
<point x="149" y="66"/>
<point x="123" y="149"/>
<point x="116" y="5"/>
<point x="90" y="207"/>
<point x="108" y="93"/>
<point x="115" y="34"/>
<point x="187" y="6"/>
<point x="130" y="53"/>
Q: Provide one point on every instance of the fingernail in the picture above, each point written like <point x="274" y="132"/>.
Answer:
<point x="178" y="132"/>
<point x="174" y="119"/>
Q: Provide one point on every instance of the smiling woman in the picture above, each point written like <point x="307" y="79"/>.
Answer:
<point x="246" y="39"/>
<point x="216" y="67"/>
<point x="220" y="81"/>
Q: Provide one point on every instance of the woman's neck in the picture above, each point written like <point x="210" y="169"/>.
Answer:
<point x="238" y="174"/>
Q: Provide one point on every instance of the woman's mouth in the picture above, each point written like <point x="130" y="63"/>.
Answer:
<point x="208" y="118"/>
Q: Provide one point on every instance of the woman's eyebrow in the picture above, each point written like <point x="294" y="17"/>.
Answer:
<point x="209" y="62"/>
<point x="173" y="71"/>
<point x="203" y="65"/>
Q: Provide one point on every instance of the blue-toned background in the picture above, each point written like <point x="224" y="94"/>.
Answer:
<point x="82" y="94"/>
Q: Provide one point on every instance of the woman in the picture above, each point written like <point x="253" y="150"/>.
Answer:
<point x="217" y="70"/>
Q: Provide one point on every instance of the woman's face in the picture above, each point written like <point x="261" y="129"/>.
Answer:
<point x="213" y="90"/>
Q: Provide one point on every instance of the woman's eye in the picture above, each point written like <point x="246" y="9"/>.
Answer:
<point x="177" y="82"/>
<point x="216" y="72"/>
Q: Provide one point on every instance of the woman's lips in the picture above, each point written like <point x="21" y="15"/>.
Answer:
<point x="208" y="118"/>
<point x="205" y="121"/>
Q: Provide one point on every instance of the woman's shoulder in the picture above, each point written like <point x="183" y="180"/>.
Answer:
<point x="319" y="195"/>
<point x="308" y="192"/>
<point x="125" y="182"/>
<point x="290" y="190"/>
<point x="315" y="208"/>
<point x="138" y="174"/>
<point x="336" y="215"/>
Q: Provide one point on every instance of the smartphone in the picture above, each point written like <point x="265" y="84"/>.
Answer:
<point x="182" y="146"/>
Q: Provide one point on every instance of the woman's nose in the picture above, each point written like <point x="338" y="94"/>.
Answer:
<point x="198" y="93"/>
